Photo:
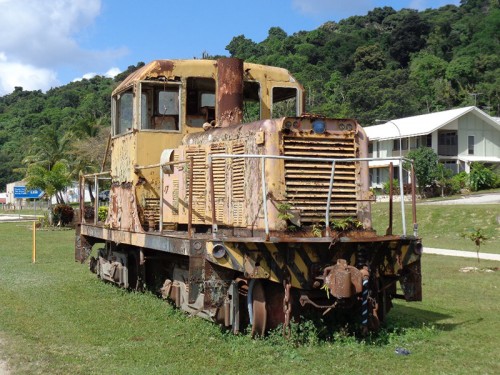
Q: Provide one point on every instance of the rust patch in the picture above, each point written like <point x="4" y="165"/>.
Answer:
<point x="343" y="281"/>
<point x="155" y="69"/>
<point x="123" y="213"/>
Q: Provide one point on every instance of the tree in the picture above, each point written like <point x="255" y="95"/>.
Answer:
<point x="408" y="36"/>
<point x="53" y="181"/>
<point x="478" y="237"/>
<point x="49" y="145"/>
<point x="426" y="167"/>
<point x="425" y="70"/>
<point x="369" y="57"/>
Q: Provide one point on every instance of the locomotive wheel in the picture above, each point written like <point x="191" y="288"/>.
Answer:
<point x="259" y="310"/>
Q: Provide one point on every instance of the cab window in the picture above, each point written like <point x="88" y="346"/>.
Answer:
<point x="285" y="102"/>
<point x="251" y="101"/>
<point x="200" y="105"/>
<point x="124" y="112"/>
<point x="160" y="108"/>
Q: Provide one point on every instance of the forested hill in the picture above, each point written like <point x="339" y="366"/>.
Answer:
<point x="384" y="65"/>
<point x="391" y="64"/>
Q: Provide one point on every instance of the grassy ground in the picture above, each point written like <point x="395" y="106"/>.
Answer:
<point x="441" y="226"/>
<point x="56" y="318"/>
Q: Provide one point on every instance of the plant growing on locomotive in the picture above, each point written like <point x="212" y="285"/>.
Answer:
<point x="250" y="223"/>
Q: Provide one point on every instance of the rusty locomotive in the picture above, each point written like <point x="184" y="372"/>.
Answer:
<point x="229" y="201"/>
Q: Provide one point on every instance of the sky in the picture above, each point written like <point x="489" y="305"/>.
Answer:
<point x="48" y="43"/>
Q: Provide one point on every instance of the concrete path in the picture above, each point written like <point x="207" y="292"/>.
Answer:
<point x="489" y="198"/>
<point x="461" y="253"/>
<point x="14" y="217"/>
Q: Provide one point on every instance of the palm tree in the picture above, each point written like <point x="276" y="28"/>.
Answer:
<point x="53" y="181"/>
<point x="49" y="145"/>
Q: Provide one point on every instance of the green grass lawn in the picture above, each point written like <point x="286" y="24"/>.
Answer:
<point x="57" y="318"/>
<point x="440" y="226"/>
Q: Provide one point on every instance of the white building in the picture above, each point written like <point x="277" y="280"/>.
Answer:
<point x="458" y="136"/>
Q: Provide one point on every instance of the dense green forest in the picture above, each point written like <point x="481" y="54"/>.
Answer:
<point x="386" y="64"/>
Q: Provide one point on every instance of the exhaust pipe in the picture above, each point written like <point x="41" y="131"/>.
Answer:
<point x="229" y="108"/>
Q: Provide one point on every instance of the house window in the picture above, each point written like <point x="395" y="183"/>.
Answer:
<point x="404" y="144"/>
<point x="429" y="140"/>
<point x="447" y="143"/>
<point x="370" y="147"/>
<point x="414" y="143"/>
<point x="470" y="145"/>
<point x="451" y="165"/>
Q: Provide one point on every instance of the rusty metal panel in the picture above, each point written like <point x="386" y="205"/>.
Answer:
<point x="411" y="282"/>
<point x="82" y="246"/>
<point x="123" y="210"/>
<point x="196" y="269"/>
<point x="123" y="158"/>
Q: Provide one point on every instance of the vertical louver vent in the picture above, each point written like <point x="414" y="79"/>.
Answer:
<point x="307" y="182"/>
<point x="199" y="183"/>
<point x="238" y="186"/>
<point x="219" y="170"/>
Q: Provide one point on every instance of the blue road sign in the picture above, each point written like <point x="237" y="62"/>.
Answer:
<point x="21" y="192"/>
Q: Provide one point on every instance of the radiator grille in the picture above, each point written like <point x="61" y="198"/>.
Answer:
<point x="307" y="182"/>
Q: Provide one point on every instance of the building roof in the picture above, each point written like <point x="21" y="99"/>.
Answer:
<point x="482" y="159"/>
<point x="422" y="124"/>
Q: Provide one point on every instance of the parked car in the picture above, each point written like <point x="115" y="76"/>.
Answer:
<point x="104" y="195"/>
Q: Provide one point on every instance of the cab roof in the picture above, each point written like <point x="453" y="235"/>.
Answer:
<point x="171" y="69"/>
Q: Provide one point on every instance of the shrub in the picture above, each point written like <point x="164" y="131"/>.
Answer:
<point x="63" y="214"/>
<point x="102" y="214"/>
<point x="481" y="177"/>
<point x="459" y="182"/>
<point x="88" y="212"/>
<point x="395" y="187"/>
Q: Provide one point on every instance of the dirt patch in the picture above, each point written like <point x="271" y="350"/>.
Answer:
<point x="4" y="369"/>
<point x="476" y="269"/>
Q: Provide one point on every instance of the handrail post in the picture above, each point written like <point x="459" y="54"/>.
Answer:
<point x="81" y="196"/>
<point x="391" y="198"/>
<point x="96" y="200"/>
<point x="160" y="224"/>
<point x="190" y="208"/>
<point x="264" y="195"/>
<point x="402" y="194"/>
<point x="414" y="200"/>
<point x="329" y="201"/>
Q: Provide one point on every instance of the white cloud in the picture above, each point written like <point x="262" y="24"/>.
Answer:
<point x="43" y="36"/>
<point x="111" y="73"/>
<point x="425" y="4"/>
<point x="332" y="8"/>
<point x="43" y="32"/>
<point x="27" y="76"/>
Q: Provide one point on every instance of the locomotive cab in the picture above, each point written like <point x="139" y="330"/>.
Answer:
<point x="162" y="102"/>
